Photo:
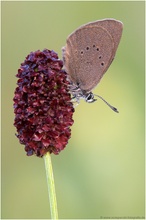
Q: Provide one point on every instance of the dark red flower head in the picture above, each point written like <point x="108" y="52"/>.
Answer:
<point x="42" y="104"/>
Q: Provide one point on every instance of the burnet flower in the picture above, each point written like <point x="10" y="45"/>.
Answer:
<point x="42" y="104"/>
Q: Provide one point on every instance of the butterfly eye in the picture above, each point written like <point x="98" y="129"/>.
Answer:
<point x="90" y="97"/>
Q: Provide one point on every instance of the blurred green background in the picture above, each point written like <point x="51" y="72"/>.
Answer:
<point x="101" y="171"/>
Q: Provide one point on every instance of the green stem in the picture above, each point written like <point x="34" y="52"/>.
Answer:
<point x="51" y="186"/>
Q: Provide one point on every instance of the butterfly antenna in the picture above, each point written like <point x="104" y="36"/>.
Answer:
<point x="112" y="107"/>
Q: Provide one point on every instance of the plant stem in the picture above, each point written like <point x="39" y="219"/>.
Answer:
<point x="51" y="186"/>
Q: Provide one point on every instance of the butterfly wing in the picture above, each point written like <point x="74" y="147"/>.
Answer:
<point x="89" y="52"/>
